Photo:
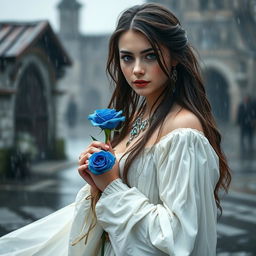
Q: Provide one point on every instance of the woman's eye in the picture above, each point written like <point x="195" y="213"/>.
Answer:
<point x="126" y="58"/>
<point x="151" y="56"/>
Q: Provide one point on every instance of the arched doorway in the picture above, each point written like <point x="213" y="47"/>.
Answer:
<point x="31" y="115"/>
<point x="218" y="95"/>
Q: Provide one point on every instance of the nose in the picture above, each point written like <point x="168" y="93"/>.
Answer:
<point x="138" y="68"/>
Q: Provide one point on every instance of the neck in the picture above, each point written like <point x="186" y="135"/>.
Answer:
<point x="151" y="106"/>
<point x="152" y="102"/>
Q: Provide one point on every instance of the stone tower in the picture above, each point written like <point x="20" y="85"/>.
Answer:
<point x="70" y="36"/>
<point x="86" y="81"/>
<point x="69" y="18"/>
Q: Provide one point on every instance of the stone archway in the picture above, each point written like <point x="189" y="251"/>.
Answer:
<point x="31" y="114"/>
<point x="217" y="89"/>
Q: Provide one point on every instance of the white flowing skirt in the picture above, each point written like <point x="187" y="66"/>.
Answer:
<point x="54" y="234"/>
<point x="47" y="236"/>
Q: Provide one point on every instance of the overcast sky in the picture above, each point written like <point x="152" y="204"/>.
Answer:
<point x="97" y="16"/>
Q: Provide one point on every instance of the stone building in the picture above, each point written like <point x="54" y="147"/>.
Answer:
<point x="86" y="81"/>
<point x="223" y="32"/>
<point x="32" y="60"/>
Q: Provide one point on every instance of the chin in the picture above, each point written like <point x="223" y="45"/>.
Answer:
<point x="141" y="93"/>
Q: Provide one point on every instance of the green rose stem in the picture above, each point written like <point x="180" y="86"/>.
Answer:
<point x="103" y="237"/>
<point x="107" y="135"/>
<point x="109" y="118"/>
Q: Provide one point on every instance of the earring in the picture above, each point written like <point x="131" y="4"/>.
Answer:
<point x="174" y="75"/>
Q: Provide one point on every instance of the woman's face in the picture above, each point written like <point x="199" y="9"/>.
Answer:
<point x="139" y="64"/>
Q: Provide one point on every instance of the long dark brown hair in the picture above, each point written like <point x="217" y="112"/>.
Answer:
<point x="162" y="28"/>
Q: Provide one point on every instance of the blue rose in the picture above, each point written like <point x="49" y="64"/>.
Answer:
<point x="106" y="118"/>
<point x="101" y="162"/>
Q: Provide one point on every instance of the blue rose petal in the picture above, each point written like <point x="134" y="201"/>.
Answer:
<point x="106" y="118"/>
<point x="101" y="162"/>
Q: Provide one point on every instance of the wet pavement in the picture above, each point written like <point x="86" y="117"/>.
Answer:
<point x="236" y="228"/>
<point x="51" y="186"/>
<point x="22" y="202"/>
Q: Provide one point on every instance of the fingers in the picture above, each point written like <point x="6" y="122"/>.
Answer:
<point x="83" y="167"/>
<point x="110" y="148"/>
<point x="84" y="158"/>
<point x="85" y="175"/>
<point x="100" y="145"/>
<point x="94" y="147"/>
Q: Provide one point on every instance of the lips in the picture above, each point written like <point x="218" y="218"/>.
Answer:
<point x="141" y="83"/>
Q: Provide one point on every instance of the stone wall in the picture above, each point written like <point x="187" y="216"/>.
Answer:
<point x="6" y="108"/>
<point x="86" y="80"/>
<point x="6" y="123"/>
<point x="7" y="102"/>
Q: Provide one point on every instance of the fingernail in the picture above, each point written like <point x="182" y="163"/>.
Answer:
<point x="107" y="146"/>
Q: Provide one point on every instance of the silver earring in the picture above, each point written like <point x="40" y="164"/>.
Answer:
<point x="174" y="75"/>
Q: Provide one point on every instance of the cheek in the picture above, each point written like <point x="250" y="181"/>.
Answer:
<point x="126" y="71"/>
<point x="158" y="72"/>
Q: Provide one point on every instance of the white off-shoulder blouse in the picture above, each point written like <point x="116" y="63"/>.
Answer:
<point x="169" y="208"/>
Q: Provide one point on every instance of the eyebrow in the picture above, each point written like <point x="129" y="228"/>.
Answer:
<point x="144" y="51"/>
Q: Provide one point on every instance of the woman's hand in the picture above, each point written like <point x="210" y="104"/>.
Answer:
<point x="97" y="181"/>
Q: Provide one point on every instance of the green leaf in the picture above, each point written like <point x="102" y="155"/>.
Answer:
<point x="93" y="137"/>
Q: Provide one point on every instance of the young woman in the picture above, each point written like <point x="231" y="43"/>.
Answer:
<point x="161" y="197"/>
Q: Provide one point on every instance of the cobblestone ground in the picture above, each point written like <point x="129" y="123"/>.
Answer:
<point x="24" y="202"/>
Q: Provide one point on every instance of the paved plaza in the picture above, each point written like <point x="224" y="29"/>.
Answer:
<point x="53" y="186"/>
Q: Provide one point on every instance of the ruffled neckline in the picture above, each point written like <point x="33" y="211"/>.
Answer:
<point x="168" y="135"/>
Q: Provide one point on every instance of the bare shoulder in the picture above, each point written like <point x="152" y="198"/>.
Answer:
<point x="182" y="118"/>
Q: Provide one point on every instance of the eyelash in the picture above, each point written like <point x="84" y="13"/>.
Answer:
<point x="149" y="57"/>
<point x="124" y="58"/>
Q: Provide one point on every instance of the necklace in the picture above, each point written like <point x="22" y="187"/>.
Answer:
<point x="138" y="126"/>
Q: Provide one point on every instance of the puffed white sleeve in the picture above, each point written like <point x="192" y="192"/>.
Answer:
<point x="184" y="223"/>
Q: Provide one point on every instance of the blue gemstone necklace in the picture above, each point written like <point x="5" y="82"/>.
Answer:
<point x="138" y="126"/>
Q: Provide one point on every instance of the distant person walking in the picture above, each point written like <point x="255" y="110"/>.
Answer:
<point x="246" y="115"/>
